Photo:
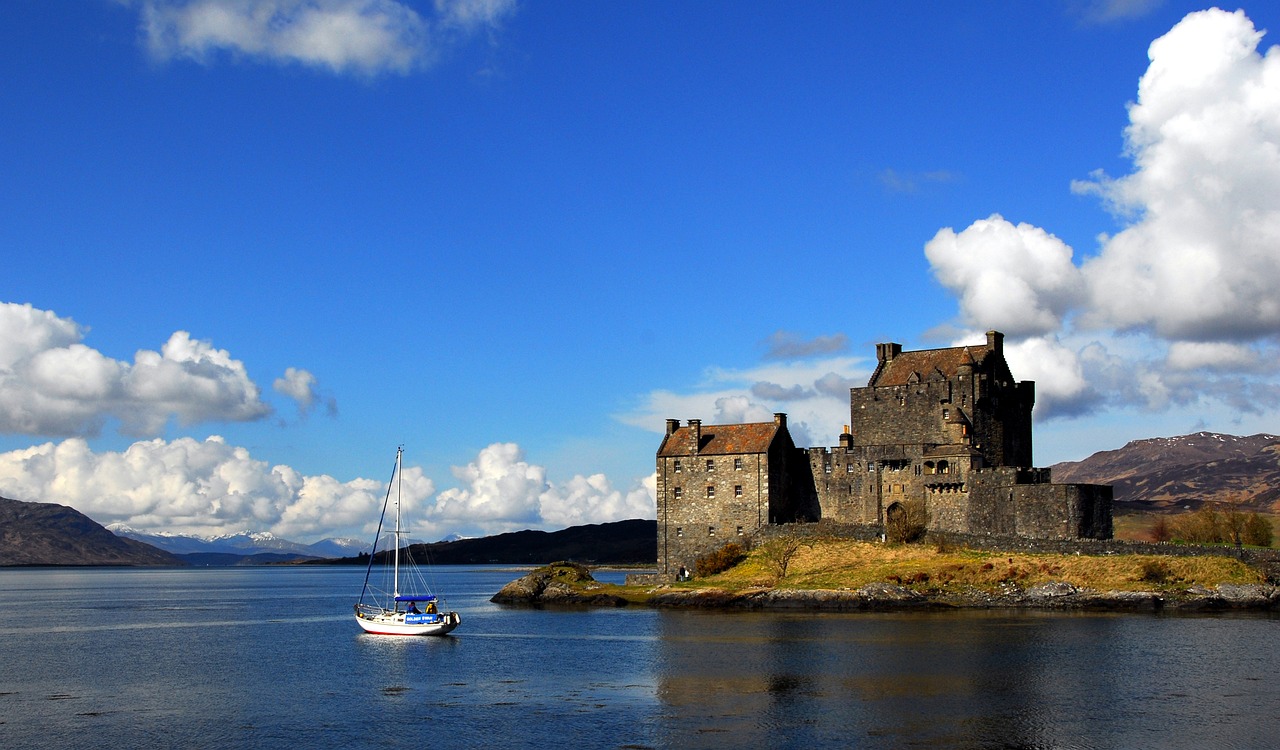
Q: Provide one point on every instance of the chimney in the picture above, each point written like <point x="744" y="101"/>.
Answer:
<point x="886" y="352"/>
<point x="846" y="438"/>
<point x="780" y="419"/>
<point x="995" y="341"/>
<point x="695" y="436"/>
<point x="672" y="425"/>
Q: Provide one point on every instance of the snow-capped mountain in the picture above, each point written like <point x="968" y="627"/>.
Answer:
<point x="243" y="543"/>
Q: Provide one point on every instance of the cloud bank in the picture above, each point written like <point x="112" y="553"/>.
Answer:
<point x="366" y="37"/>
<point x="208" y="487"/>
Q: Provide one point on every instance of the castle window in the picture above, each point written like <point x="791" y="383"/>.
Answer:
<point x="678" y="491"/>
<point x="848" y="468"/>
<point x="737" y="464"/>
<point x="711" y="464"/>
<point x="871" y="466"/>
<point x="737" y="490"/>
<point x="679" y="531"/>
<point x="739" y="531"/>
<point x="676" y="466"/>
<point x="711" y="531"/>
<point x="826" y="468"/>
<point x="711" y="490"/>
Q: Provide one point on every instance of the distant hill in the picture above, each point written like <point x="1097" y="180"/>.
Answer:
<point x="631" y="542"/>
<point x="48" y="534"/>
<point x="249" y="545"/>
<point x="1177" y="473"/>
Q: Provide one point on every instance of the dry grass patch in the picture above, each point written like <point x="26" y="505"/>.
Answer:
<point x="844" y="564"/>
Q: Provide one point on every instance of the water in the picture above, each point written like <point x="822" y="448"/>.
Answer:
<point x="270" y="657"/>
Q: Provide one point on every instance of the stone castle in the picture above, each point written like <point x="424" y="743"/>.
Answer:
<point x="943" y="435"/>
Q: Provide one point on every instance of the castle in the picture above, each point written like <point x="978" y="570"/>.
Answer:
<point x="940" y="435"/>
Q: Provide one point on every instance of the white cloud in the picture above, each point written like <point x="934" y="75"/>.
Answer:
<point x="1194" y="355"/>
<point x="52" y="384"/>
<point x="186" y="486"/>
<point x="368" y="37"/>
<point x="1017" y="279"/>
<point x="300" y="385"/>
<point x="501" y="491"/>
<point x="814" y="394"/>
<point x="1200" y="261"/>
<point x="194" y="487"/>
<point x="1178" y="309"/>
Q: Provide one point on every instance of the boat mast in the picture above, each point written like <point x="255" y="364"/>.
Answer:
<point x="399" y="485"/>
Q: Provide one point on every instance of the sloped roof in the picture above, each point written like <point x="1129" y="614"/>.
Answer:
<point x="927" y="362"/>
<point x="722" y="439"/>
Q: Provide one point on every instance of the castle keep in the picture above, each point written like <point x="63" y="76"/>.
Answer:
<point x="940" y="435"/>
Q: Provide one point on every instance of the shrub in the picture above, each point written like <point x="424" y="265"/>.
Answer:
<point x="1156" y="571"/>
<point x="905" y="522"/>
<point x="1257" y="531"/>
<point x="719" y="561"/>
<point x="1161" y="530"/>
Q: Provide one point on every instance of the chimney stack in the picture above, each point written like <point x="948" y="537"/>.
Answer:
<point x="672" y="425"/>
<point x="995" y="341"/>
<point x="695" y="435"/>
<point x="886" y="352"/>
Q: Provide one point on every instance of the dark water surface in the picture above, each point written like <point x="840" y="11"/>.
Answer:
<point x="271" y="658"/>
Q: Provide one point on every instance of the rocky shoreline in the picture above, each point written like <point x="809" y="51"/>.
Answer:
<point x="569" y="584"/>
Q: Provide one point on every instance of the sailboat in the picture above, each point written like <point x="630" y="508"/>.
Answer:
<point x="384" y="611"/>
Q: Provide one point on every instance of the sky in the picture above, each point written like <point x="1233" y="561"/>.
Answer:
<point x="251" y="246"/>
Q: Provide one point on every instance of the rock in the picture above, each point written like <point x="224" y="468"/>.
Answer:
<point x="557" y="583"/>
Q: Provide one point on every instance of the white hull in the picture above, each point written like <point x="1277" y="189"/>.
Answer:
<point x="393" y="623"/>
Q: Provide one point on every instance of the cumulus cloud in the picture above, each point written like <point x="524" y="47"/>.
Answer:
<point x="52" y="384"/>
<point x="1019" y="279"/>
<point x="1200" y="262"/>
<point x="1179" y="306"/>
<point x="208" y="488"/>
<point x="367" y="37"/>
<point x="188" y="486"/>
<point x="300" y="385"/>
<point x="501" y="491"/>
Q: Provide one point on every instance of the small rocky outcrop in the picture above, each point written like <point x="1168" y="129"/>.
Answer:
<point x="558" y="583"/>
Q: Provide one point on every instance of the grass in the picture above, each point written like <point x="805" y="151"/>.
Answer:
<point x="845" y="564"/>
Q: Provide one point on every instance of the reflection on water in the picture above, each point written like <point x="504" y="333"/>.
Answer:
<point x="262" y="658"/>
<point x="968" y="680"/>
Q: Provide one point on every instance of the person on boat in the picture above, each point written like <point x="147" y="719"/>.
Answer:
<point x="413" y="608"/>
<point x="431" y="608"/>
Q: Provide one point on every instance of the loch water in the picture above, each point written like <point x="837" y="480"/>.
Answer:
<point x="271" y="658"/>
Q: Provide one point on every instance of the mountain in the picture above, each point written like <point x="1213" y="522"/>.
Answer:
<point x="48" y="534"/>
<point x="258" y="545"/>
<point x="619" y="543"/>
<point x="1176" y="473"/>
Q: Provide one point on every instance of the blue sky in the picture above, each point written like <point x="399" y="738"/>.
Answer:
<point x="250" y="246"/>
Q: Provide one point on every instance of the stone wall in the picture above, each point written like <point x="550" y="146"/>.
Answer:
<point x="703" y="519"/>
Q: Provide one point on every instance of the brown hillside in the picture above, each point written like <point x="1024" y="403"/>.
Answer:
<point x="49" y="534"/>
<point x="1177" y="473"/>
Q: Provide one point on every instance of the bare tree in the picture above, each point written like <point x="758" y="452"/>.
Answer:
<point x="780" y="551"/>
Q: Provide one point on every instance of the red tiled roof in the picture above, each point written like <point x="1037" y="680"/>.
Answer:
<point x="927" y="362"/>
<point x="722" y="439"/>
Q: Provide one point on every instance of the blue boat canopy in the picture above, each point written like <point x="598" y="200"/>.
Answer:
<point x="416" y="598"/>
